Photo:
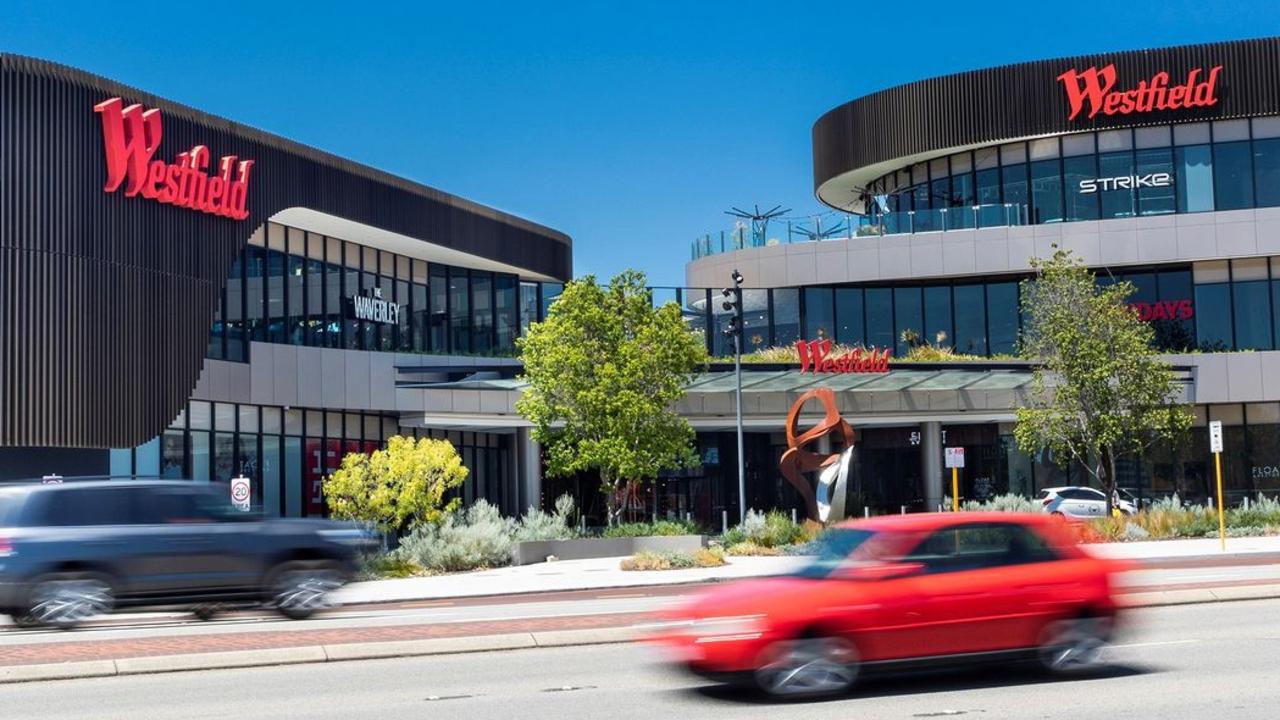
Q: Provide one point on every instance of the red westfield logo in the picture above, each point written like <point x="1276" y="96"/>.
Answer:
<point x="131" y="136"/>
<point x="1095" y="87"/>
<point x="815" y="357"/>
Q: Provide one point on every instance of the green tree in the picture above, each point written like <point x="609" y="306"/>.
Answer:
<point x="604" y="370"/>
<point x="396" y="488"/>
<point x="1101" y="391"/>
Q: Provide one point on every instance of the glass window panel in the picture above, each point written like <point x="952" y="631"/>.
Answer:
<point x="1266" y="127"/>
<point x="200" y="455"/>
<point x="1229" y="130"/>
<point x="316" y="335"/>
<point x="387" y="334"/>
<point x="963" y="199"/>
<point x="248" y="418"/>
<point x="460" y="310"/>
<point x="1194" y="179"/>
<point x="722" y="344"/>
<point x="1013" y="153"/>
<point x="353" y="330"/>
<point x="270" y="495"/>
<point x="1213" y="317"/>
<point x="1151" y="137"/>
<point x="819" y="313"/>
<point x="986" y="158"/>
<point x="1156" y="200"/>
<point x="1249" y="269"/>
<point x="908" y="319"/>
<point x="255" y="286"/>
<point x="404" y="320"/>
<point x="1115" y="201"/>
<point x="368" y="258"/>
<point x="961" y="164"/>
<point x="1014" y="180"/>
<point x="333" y="305"/>
<point x="201" y="415"/>
<point x="1081" y="144"/>
<point x="694" y="308"/>
<point x="250" y="466"/>
<point x="224" y="457"/>
<point x="506" y="313"/>
<point x="481" y="312"/>
<point x="786" y="316"/>
<point x="1252" y="309"/>
<point x="277" y="268"/>
<point x="438" y="291"/>
<point x="419" y="271"/>
<point x="1002" y="317"/>
<point x="971" y="320"/>
<point x="550" y="291"/>
<point x="1211" y="271"/>
<point x="1046" y="191"/>
<point x="849" y="329"/>
<point x="271" y="422"/>
<point x="224" y="416"/>
<point x="988" y="187"/>
<point x="1043" y="149"/>
<point x="1266" y="172"/>
<point x="1232" y="175"/>
<point x="528" y="306"/>
<point x="372" y="427"/>
<point x="1080" y="205"/>
<point x="313" y="472"/>
<point x="235" y="325"/>
<point x="173" y="449"/>
<point x="1191" y="134"/>
<point x="938" y="168"/>
<point x="292" y="467"/>
<point x="276" y="237"/>
<point x="937" y="316"/>
<point x="295" y="287"/>
<point x="879" y="305"/>
<point x="1175" y="333"/>
<point x="755" y="319"/>
<point x="1114" y="140"/>
<point x="370" y="331"/>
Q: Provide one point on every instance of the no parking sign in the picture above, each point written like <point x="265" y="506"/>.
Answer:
<point x="241" y="493"/>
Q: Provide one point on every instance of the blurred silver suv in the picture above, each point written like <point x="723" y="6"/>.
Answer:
<point x="77" y="549"/>
<point x="1079" y="502"/>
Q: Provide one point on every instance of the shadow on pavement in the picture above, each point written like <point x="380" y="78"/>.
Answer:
<point x="933" y="681"/>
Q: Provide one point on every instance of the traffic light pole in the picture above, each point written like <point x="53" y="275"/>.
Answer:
<point x="742" y="460"/>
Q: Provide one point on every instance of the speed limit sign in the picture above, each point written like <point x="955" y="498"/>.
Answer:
<point x="241" y="494"/>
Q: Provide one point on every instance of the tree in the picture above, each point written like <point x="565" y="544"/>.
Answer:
<point x="604" y="370"/>
<point x="396" y="488"/>
<point x="1101" y="391"/>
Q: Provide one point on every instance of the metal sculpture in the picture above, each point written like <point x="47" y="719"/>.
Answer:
<point x="824" y="502"/>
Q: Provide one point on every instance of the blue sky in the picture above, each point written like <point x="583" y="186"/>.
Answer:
<point x="630" y="126"/>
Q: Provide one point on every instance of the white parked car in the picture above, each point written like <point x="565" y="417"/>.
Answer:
<point x="1079" y="502"/>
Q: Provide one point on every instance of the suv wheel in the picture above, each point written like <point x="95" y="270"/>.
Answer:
<point x="299" y="589"/>
<point x="808" y="667"/>
<point x="65" y="600"/>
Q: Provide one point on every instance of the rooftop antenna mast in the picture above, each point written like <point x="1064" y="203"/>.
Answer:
<point x="759" y="221"/>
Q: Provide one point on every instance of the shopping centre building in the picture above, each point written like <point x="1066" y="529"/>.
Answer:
<point x="210" y="300"/>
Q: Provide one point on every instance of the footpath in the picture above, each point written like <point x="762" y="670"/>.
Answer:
<point x="583" y="602"/>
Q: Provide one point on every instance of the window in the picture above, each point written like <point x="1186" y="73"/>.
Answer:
<point x="971" y="320"/>
<point x="988" y="186"/>
<point x="481" y="312"/>
<point x="1266" y="171"/>
<point x="978" y="546"/>
<point x="849" y="329"/>
<point x="88" y="506"/>
<point x="506" y="312"/>
<point x="1116" y="202"/>
<point x="1002" y="320"/>
<point x="528" y="306"/>
<point x="1194" y="167"/>
<point x="786" y="316"/>
<point x="1213" y="317"/>
<point x="296" y="324"/>
<point x="879" y="317"/>
<point x="1232" y="175"/>
<point x="1014" y="182"/>
<point x="1156" y="200"/>
<point x="937" y="316"/>
<point x="908" y="319"/>
<point x="819" y="318"/>
<point x="459" y="311"/>
<point x="1080" y="205"/>
<point x="439" y="292"/>
<point x="1251" y="304"/>
<point x="1046" y="191"/>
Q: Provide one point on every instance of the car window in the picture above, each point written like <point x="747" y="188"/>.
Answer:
<point x="980" y="545"/>
<point x="1092" y="494"/>
<point x="11" y="508"/>
<point x="168" y="506"/>
<point x="838" y="546"/>
<point x="88" y="506"/>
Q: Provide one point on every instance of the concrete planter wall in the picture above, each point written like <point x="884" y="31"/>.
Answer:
<point x="536" y="551"/>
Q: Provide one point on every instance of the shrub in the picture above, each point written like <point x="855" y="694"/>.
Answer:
<point x="378" y="566"/>
<point x="771" y="530"/>
<point x="1001" y="503"/>
<point x="648" y="560"/>
<point x="1262" y="511"/>
<point x="471" y="540"/>
<point x="660" y="528"/>
<point x="539" y="525"/>
<point x="749" y="548"/>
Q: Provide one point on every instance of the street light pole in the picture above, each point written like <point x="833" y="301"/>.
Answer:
<point x="733" y="302"/>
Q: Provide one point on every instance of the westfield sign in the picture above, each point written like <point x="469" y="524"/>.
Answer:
<point x="131" y="136"/>
<point x="1096" y="89"/>
<point x="815" y="356"/>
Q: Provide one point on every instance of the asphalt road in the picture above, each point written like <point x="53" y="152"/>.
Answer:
<point x="1194" y="661"/>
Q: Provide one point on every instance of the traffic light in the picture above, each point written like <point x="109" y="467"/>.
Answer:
<point x="732" y="302"/>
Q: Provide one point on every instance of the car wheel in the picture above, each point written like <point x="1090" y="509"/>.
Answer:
<point x="299" y="589"/>
<point x="65" y="600"/>
<point x="1073" y="646"/>
<point x="807" y="667"/>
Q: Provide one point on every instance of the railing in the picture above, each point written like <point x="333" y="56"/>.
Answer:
<point x="844" y="227"/>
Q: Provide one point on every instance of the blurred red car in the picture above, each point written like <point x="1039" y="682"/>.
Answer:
<point x="903" y="590"/>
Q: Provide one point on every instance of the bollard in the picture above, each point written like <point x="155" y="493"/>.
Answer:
<point x="724" y="521"/>
<point x="793" y="516"/>
<point x="939" y="507"/>
<point x="582" y="522"/>
<point x="903" y="508"/>
<point x="866" y="512"/>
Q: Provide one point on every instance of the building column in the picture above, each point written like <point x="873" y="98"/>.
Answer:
<point x="529" y="464"/>
<point x="931" y="464"/>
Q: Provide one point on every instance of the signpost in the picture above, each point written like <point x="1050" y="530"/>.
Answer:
<point x="241" y="494"/>
<point x="955" y="461"/>
<point x="1215" y="447"/>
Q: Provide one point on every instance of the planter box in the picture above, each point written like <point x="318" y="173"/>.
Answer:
<point x="536" y="551"/>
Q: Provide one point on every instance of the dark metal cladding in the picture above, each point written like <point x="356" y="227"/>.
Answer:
<point x="106" y="300"/>
<point x="1014" y="101"/>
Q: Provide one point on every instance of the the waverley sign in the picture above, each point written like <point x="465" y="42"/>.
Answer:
<point x="373" y="308"/>
<point x="131" y="136"/>
<point x="1094" y="92"/>
<point x="815" y="356"/>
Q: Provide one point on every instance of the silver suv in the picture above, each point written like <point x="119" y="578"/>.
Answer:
<point x="72" y="550"/>
<point x="1079" y="502"/>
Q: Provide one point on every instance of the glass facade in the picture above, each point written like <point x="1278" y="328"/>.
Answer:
<point x="287" y="453"/>
<point x="295" y="287"/>
<point x="1199" y="167"/>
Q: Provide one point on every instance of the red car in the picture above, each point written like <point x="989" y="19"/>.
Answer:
<point x="902" y="590"/>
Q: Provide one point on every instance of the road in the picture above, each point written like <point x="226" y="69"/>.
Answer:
<point x="1193" y="661"/>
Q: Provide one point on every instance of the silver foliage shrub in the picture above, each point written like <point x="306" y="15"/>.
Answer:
<point x="539" y="525"/>
<point x="476" y="538"/>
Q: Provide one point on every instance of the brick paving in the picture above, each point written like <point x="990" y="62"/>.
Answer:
<point x="40" y="653"/>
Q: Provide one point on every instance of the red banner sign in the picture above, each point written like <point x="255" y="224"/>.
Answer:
<point x="131" y="136"/>
<point x="1095" y="87"/>
<point x="815" y="357"/>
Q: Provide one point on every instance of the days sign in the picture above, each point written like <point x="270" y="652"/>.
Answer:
<point x="815" y="357"/>
<point x="1125" y="182"/>
<point x="241" y="493"/>
<point x="131" y="136"/>
<point x="1096" y="88"/>
<point x="954" y="457"/>
<point x="373" y="308"/>
<point x="1164" y="310"/>
<point x="1215" y="436"/>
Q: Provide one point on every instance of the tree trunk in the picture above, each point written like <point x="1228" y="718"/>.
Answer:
<point x="610" y="490"/>
<point x="1109" y="457"/>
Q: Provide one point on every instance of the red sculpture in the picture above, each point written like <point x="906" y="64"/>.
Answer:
<point x="798" y="460"/>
